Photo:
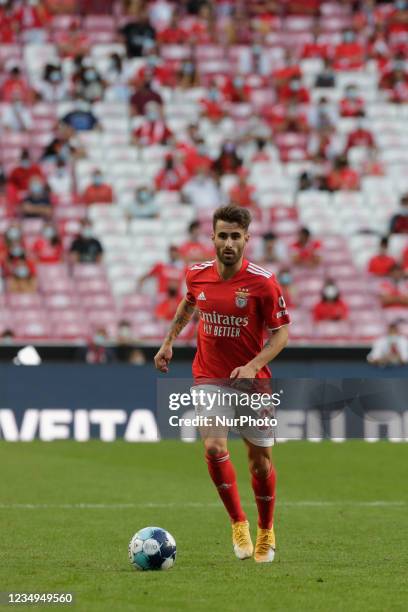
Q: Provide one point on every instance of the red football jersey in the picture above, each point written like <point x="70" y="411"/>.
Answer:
<point x="233" y="316"/>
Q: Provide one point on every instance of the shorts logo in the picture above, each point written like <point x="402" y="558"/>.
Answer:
<point x="281" y="302"/>
<point x="241" y="298"/>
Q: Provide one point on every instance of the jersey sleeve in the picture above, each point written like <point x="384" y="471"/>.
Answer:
<point x="190" y="297"/>
<point x="273" y="305"/>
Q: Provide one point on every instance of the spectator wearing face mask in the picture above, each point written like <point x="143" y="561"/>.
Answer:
<point x="143" y="95"/>
<point x="19" y="272"/>
<point x="349" y="54"/>
<point x="81" y="118"/>
<point x="187" y="76"/>
<point x="171" y="177"/>
<point x="395" y="73"/>
<point x="52" y="87"/>
<point x="228" y="162"/>
<point x="98" y="192"/>
<point x="351" y="105"/>
<point x="323" y="115"/>
<point x="399" y="221"/>
<point x="294" y="91"/>
<point x="97" y="352"/>
<point x="195" y="155"/>
<point x="390" y="349"/>
<point x="153" y="130"/>
<point x="88" y="84"/>
<point x="166" y="309"/>
<point x="212" y="104"/>
<point x="85" y="248"/>
<point x="372" y="165"/>
<point x="37" y="202"/>
<point x="126" y="352"/>
<point x="13" y="236"/>
<point x="330" y="307"/>
<point x="236" y="90"/>
<point x="48" y="248"/>
<point x="9" y="26"/>
<point x="285" y="280"/>
<point x="144" y="205"/>
<point x="306" y="250"/>
<point x="116" y="77"/>
<point x="166" y="272"/>
<point x="382" y="263"/>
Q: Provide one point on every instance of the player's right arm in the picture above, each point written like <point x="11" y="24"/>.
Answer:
<point x="183" y="315"/>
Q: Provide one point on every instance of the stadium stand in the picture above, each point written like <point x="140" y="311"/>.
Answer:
<point x="296" y="109"/>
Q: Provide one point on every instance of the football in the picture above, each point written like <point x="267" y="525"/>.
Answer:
<point x="152" y="548"/>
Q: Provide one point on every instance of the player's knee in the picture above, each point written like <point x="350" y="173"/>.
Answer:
<point x="214" y="447"/>
<point x="260" y="466"/>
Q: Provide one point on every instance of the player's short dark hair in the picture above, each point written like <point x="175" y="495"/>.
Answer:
<point x="233" y="214"/>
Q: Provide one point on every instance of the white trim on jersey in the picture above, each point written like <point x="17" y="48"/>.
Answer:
<point x="272" y="329"/>
<point x="202" y="265"/>
<point x="258" y="271"/>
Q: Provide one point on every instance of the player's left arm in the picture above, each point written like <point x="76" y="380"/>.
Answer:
<point x="276" y="342"/>
<point x="276" y="318"/>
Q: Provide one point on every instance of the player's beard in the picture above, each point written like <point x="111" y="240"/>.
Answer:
<point x="229" y="257"/>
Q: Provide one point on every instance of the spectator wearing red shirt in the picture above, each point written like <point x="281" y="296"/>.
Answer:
<point x="399" y="221"/>
<point x="172" y="34"/>
<point x="351" y="105"/>
<point x="172" y="177"/>
<point x="97" y="192"/>
<point x="294" y="91"/>
<point x="194" y="249"/>
<point x="349" y="54"/>
<point x="195" y="156"/>
<point x="405" y="259"/>
<point x="382" y="263"/>
<point x="212" y="104"/>
<point x="330" y="307"/>
<point x="48" y="248"/>
<point x="399" y="92"/>
<point x="228" y="161"/>
<point x="8" y="195"/>
<point x="242" y="194"/>
<point x="394" y="290"/>
<point x="315" y="49"/>
<point x="22" y="174"/>
<point x="73" y="41"/>
<point x="360" y="137"/>
<point x="288" y="118"/>
<point x="236" y="90"/>
<point x="394" y="73"/>
<point x="342" y="176"/>
<point x="166" y="309"/>
<point x="16" y="87"/>
<point x="290" y="69"/>
<point x="306" y="250"/>
<point x="372" y="165"/>
<point x="166" y="273"/>
<point x="9" y="26"/>
<point x="285" y="281"/>
<point x="33" y="17"/>
<point x="153" y="130"/>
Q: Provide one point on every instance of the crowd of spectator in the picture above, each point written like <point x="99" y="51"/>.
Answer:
<point x="290" y="121"/>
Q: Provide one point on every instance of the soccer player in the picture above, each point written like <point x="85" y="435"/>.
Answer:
<point x="237" y="300"/>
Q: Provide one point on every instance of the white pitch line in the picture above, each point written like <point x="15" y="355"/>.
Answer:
<point x="124" y="506"/>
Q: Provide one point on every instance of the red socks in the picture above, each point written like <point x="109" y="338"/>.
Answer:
<point x="223" y="476"/>
<point x="264" y="489"/>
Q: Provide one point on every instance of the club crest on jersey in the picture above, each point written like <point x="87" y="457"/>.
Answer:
<point x="241" y="298"/>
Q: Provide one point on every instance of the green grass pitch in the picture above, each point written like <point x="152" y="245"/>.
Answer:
<point x="341" y="524"/>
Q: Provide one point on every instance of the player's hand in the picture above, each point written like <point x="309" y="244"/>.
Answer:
<point x="245" y="371"/>
<point x="163" y="358"/>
